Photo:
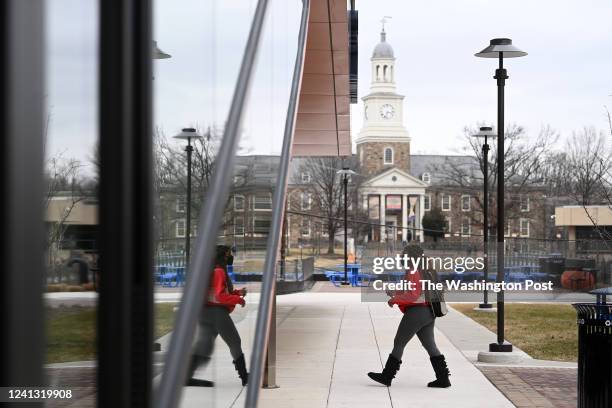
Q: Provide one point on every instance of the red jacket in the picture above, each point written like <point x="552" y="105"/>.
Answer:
<point x="218" y="293"/>
<point x="409" y="298"/>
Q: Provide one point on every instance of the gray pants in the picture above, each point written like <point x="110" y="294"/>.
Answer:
<point x="216" y="321"/>
<point x="417" y="320"/>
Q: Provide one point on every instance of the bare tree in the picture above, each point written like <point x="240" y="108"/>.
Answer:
<point x="64" y="181"/>
<point x="588" y="163"/>
<point x="327" y="192"/>
<point x="524" y="167"/>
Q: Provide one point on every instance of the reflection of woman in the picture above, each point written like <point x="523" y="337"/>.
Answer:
<point x="216" y="320"/>
<point x="418" y="319"/>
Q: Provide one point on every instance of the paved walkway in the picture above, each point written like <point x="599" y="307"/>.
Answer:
<point x="326" y="344"/>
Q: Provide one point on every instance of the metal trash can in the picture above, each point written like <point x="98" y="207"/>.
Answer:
<point x="595" y="351"/>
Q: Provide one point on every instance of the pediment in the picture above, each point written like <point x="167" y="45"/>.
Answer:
<point x="394" y="178"/>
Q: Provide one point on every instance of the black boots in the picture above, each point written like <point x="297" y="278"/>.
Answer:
<point x="241" y="368"/>
<point x="439" y="365"/>
<point x="196" y="361"/>
<point x="388" y="373"/>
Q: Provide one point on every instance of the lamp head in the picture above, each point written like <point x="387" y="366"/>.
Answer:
<point x="485" y="131"/>
<point x="501" y="46"/>
<point x="188" y="134"/>
<point x="159" y="54"/>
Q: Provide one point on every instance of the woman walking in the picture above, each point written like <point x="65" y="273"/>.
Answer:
<point x="221" y="300"/>
<point x="418" y="319"/>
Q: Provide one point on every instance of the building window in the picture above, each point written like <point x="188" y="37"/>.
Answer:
<point x="305" y="177"/>
<point x="305" y="227"/>
<point x="388" y="155"/>
<point x="261" y="225"/>
<point x="524" y="203"/>
<point x="524" y="227"/>
<point x="180" y="228"/>
<point x="238" y="202"/>
<point x="239" y="226"/>
<point x="426" y="202"/>
<point x="447" y="226"/>
<point x="465" y="202"/>
<point x="426" y="177"/>
<point x="181" y="204"/>
<point x="262" y="202"/>
<point x="466" y="228"/>
<point x="446" y="202"/>
<point x="306" y="201"/>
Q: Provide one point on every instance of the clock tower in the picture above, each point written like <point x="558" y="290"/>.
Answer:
<point x="383" y="142"/>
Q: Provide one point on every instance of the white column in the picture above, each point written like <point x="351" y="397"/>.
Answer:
<point x="366" y="209"/>
<point x="383" y="228"/>
<point x="404" y="217"/>
<point x="420" y="216"/>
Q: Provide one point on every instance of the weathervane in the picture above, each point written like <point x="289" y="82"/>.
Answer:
<point x="383" y="21"/>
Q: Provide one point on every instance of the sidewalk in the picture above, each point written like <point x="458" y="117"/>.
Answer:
<point x="326" y="344"/>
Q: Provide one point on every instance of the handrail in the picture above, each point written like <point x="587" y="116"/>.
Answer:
<point x="198" y="278"/>
<point x="268" y="282"/>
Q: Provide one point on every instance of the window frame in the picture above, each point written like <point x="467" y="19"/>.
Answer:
<point x="180" y="200"/>
<point x="526" y="197"/>
<point x="469" y="202"/>
<point x="469" y="227"/>
<point x="179" y="221"/>
<point x="450" y="202"/>
<point x="521" y="227"/>
<point x="269" y="197"/>
<point x="426" y="177"/>
<point x="236" y="225"/>
<point x="303" y="195"/>
<point x="241" y="196"/>
<point x="388" y="148"/>
<point x="427" y="200"/>
<point x="307" y="220"/>
<point x="448" y="226"/>
<point x="306" y="179"/>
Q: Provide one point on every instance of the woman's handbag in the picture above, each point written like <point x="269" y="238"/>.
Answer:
<point x="435" y="297"/>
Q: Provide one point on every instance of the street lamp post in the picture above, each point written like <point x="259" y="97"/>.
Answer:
<point x="345" y="172"/>
<point x="485" y="132"/>
<point x="500" y="48"/>
<point x="188" y="134"/>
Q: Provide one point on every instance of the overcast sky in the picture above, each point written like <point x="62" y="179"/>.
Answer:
<point x="563" y="82"/>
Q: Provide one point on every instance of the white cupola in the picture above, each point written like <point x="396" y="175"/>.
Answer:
<point x="383" y="66"/>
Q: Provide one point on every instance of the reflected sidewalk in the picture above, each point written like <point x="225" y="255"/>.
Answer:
<point x="326" y="343"/>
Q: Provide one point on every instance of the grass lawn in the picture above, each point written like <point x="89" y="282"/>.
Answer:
<point x="71" y="331"/>
<point x="546" y="332"/>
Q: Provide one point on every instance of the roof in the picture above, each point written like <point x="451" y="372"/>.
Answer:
<point x="439" y="166"/>
<point x="383" y="49"/>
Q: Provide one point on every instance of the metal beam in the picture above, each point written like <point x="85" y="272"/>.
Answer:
<point x="22" y="343"/>
<point x="125" y="307"/>
<point x="268" y="284"/>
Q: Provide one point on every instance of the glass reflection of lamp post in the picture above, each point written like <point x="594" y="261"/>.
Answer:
<point x="485" y="132"/>
<point x="500" y="48"/>
<point x="345" y="172"/>
<point x="188" y="134"/>
<point x="159" y="54"/>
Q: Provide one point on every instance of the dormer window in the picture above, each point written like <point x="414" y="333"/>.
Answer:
<point x="388" y="156"/>
<point x="426" y="177"/>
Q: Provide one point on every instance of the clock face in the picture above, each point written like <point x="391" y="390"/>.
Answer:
<point x="387" y="111"/>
